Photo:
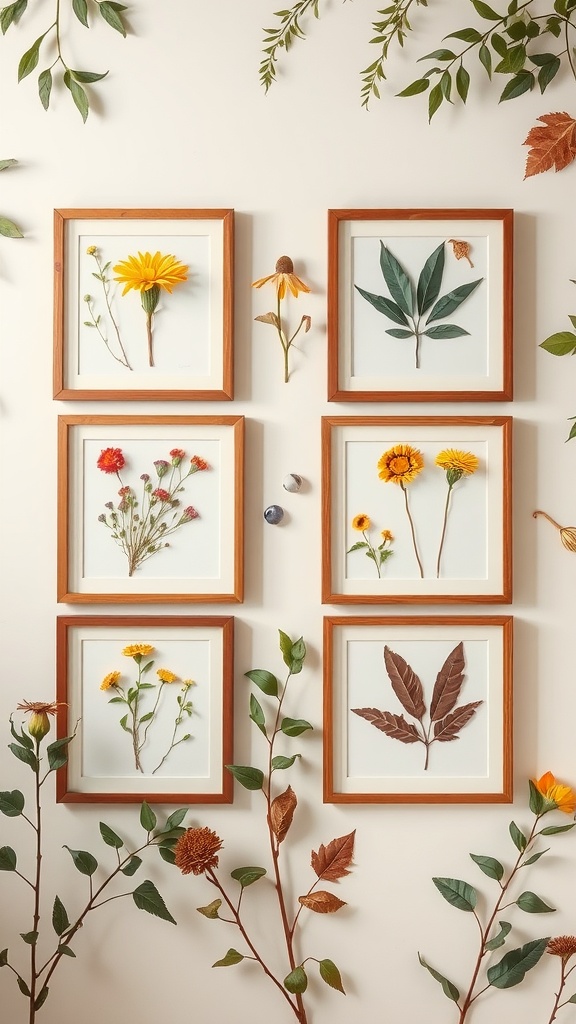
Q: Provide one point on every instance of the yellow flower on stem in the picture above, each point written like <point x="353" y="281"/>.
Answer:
<point x="456" y="464"/>
<point x="285" y="280"/>
<point x="148" y="274"/>
<point x="132" y="650"/>
<point x="401" y="465"/>
<point x="39" y="723"/>
<point x="166" y="676"/>
<point x="378" y="555"/>
<point x="556" y="793"/>
<point x="110" y="680"/>
<point x="361" y="522"/>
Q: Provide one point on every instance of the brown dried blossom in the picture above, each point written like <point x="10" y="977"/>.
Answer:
<point x="196" y="851"/>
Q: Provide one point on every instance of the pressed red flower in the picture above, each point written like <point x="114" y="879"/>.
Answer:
<point x="199" y="463"/>
<point x="196" y="851"/>
<point x="161" y="494"/>
<point x="190" y="513"/>
<point x="177" y="454"/>
<point x="124" y="491"/>
<point x="111" y="460"/>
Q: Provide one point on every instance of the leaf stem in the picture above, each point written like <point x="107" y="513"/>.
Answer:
<point x="412" y="530"/>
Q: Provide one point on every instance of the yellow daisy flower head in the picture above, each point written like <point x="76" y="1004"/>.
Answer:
<point x="361" y="522"/>
<point x="284" y="279"/>
<point x="110" y="680"/>
<point x="400" y="464"/>
<point x="455" y="459"/>
<point x="147" y="270"/>
<point x="166" y="676"/>
<point x="387" y="536"/>
<point x="133" y="650"/>
<point x="558" y="795"/>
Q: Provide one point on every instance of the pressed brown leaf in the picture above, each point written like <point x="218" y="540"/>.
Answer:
<point x="281" y="813"/>
<point x="405" y="683"/>
<point x="450" y="726"/>
<point x="322" y="902"/>
<point x="553" y="144"/>
<point x="395" y="726"/>
<point x="448" y="684"/>
<point x="333" y="861"/>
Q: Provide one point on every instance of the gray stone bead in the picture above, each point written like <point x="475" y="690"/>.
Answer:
<point x="274" y="514"/>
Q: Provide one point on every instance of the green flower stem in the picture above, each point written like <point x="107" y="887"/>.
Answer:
<point x="124" y="360"/>
<point x="150" y="301"/>
<point x="367" y="539"/>
<point x="412" y="529"/>
<point x="37" y="883"/>
<point x="174" y="742"/>
<point x="444" y="524"/>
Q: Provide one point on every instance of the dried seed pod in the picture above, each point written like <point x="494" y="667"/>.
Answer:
<point x="567" y="533"/>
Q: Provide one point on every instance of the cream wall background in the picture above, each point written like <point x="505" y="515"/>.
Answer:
<point x="182" y="121"/>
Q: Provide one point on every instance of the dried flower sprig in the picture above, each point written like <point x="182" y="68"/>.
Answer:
<point x="34" y="980"/>
<point x="401" y="465"/>
<point x="197" y="851"/>
<point x="457" y="464"/>
<point x="378" y="554"/>
<point x="546" y="794"/>
<point x="285" y="280"/>
<point x="74" y="81"/>
<point x="96" y="320"/>
<point x="140" y="528"/>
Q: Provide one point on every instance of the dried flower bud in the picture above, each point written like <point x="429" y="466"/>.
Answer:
<point x="284" y="265"/>
<point x="91" y="250"/>
<point x="38" y="723"/>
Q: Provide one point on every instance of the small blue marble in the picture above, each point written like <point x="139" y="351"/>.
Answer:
<point x="274" y="514"/>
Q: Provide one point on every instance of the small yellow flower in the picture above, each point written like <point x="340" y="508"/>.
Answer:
<point x="91" y="250"/>
<point x="284" y="279"/>
<point x="457" y="460"/>
<point x="145" y="271"/>
<point x="400" y="464"/>
<point x="361" y="522"/>
<point x="188" y="683"/>
<point x="387" y="536"/>
<point x="196" y="851"/>
<point x="166" y="676"/>
<point x="562" y="796"/>
<point x="134" y="649"/>
<point x="110" y="680"/>
<point x="39" y="723"/>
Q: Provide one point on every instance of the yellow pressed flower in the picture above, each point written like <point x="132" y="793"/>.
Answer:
<point x="457" y="460"/>
<point x="284" y="279"/>
<point x="562" y="796"/>
<point x="400" y="464"/>
<point x="134" y="649"/>
<point x="165" y="675"/>
<point x="91" y="250"/>
<point x="387" y="536"/>
<point x="361" y="522"/>
<point x="145" y="271"/>
<point x="188" y="683"/>
<point x="110" y="680"/>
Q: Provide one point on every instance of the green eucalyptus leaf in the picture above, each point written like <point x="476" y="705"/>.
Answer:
<point x="572" y="999"/>
<point x="30" y="938"/>
<point x="8" y="859"/>
<point x="57" y="753"/>
<point x="146" y="897"/>
<point x="23" y="987"/>
<point x="232" y="957"/>
<point x="60" y="921"/>
<point x="298" y="651"/>
<point x="24" y="753"/>
<point x="498" y="939"/>
<point x="29" y="60"/>
<point x="458" y="893"/>
<point x="211" y="910"/>
<point x="397" y="280"/>
<point x="444" y="331"/>
<point x="3" y="957"/>
<point x="111" y="14"/>
<point x="521" y="83"/>
<point x="554" y="830"/>
<point x="41" y="997"/>
<point x="84" y="861"/>
<point x="21" y="737"/>
<point x="285" y="647"/>
<point x="441" y="54"/>
<point x="264" y="680"/>
<point x="462" y="83"/>
<point x="448" y="303"/>
<point x="78" y="94"/>
<point x="257" y="714"/>
<point x="571" y="434"/>
<point x="250" y="778"/>
<point x="296" y="981"/>
<point x="513" y="61"/>
<point x="446" y="85"/>
<point x="80" y="8"/>
<point x="110" y="837"/>
<point x="485" y="58"/>
<point x="132" y="866"/>
<point x="175" y="819"/>
<point x="45" y="87"/>
<point x="331" y="975"/>
<point x="467" y="35"/>
<point x="294" y="726"/>
<point x="537" y="801"/>
<point x="279" y="762"/>
<point x="532" y="904"/>
<point x="420" y="85"/>
<point x="247" y="876"/>
<point x="430" y="280"/>
<point x="561" y="344"/>
<point x="513" y="967"/>
<point x="518" y="838"/>
<point x="448" y="988"/>
<point x="11" y="803"/>
<point x="534" y="858"/>
<point x="167" y="854"/>
<point x="489" y="866"/>
<point x="485" y="11"/>
<point x="87" y="77"/>
<point x="434" y="101"/>
<point x="11" y="14"/>
<point x="9" y="229"/>
<point x="385" y="306"/>
<point x="400" y="332"/>
<point x="148" y="819"/>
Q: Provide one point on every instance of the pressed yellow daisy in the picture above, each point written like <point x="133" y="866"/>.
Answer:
<point x="400" y="464"/>
<point x="134" y="649"/>
<point x="144" y="271"/>
<point x="284" y="279"/>
<point x="458" y="461"/>
<point x="563" y="797"/>
<point x="387" y="536"/>
<point x="110" y="680"/>
<point x="166" y="676"/>
<point x="361" y="522"/>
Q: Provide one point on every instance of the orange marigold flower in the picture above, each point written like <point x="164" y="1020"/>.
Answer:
<point x="387" y="536"/>
<point x="110" y="680"/>
<point x="150" y="270"/>
<point x="361" y="522"/>
<point x="455" y="459"/>
<point x="400" y="464"/>
<point x="196" y="851"/>
<point x="111" y="460"/>
<point x="132" y="650"/>
<point x="166" y="676"/>
<point x="562" y="796"/>
<point x="199" y="463"/>
<point x="564" y="946"/>
<point x="284" y="279"/>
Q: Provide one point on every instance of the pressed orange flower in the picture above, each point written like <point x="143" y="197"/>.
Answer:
<point x="39" y="723"/>
<point x="386" y="536"/>
<point x="284" y="279"/>
<point x="134" y="649"/>
<point x="165" y="675"/>
<point x="145" y="271"/>
<point x="361" y="522"/>
<point x="457" y="460"/>
<point x="400" y="464"/>
<point x="111" y="460"/>
<point x="563" y="797"/>
<point x="110" y="680"/>
<point x="564" y="946"/>
<point x="196" y="851"/>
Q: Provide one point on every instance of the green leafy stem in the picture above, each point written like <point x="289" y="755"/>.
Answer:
<point x="408" y="306"/>
<point x="563" y="343"/>
<point x="74" y="80"/>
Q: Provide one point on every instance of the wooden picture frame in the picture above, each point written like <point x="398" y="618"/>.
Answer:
<point x="178" y="755"/>
<point x="106" y="346"/>
<point x="150" y="509"/>
<point x="418" y="709"/>
<point x="420" y="305"/>
<point x="400" y="528"/>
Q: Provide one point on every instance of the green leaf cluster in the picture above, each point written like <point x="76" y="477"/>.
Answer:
<point x="282" y="36"/>
<point x="563" y="343"/>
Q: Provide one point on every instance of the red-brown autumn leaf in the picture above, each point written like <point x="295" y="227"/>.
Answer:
<point x="393" y="725"/>
<point x="322" y="902"/>
<point x="448" y="684"/>
<point x="281" y="813"/>
<point x="553" y="144"/>
<point x="405" y="683"/>
<point x="448" y="729"/>
<point x="333" y="861"/>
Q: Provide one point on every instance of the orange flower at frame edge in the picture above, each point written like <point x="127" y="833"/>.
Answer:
<point x="562" y="796"/>
<point x="284" y="279"/>
<point x="400" y="464"/>
<point x="146" y="271"/>
<point x="196" y="851"/>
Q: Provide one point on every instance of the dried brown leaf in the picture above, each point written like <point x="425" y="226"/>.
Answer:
<point x="268" y="318"/>
<point x="281" y="813"/>
<point x="322" y="902"/>
<point x="552" y="145"/>
<point x="405" y="683"/>
<point x="395" y="726"/>
<point x="448" y="684"/>
<point x="449" y="727"/>
<point x="333" y="861"/>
